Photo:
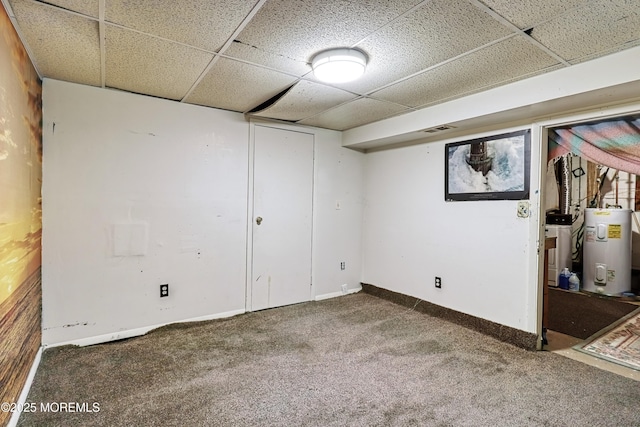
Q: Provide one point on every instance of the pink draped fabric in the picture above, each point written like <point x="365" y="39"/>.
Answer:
<point x="614" y="143"/>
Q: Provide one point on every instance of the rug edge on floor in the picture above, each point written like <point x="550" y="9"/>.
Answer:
<point x="581" y="346"/>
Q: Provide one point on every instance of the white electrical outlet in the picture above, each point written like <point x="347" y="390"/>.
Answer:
<point x="344" y="289"/>
<point x="523" y="209"/>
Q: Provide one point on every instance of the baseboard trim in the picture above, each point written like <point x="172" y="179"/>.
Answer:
<point x="337" y="294"/>
<point x="222" y="315"/>
<point x="13" y="421"/>
<point x="522" y="339"/>
<point x="130" y="333"/>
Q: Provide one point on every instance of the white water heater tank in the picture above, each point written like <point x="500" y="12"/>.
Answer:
<point x="607" y="251"/>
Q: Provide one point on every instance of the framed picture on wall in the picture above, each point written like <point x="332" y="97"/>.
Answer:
<point x="490" y="168"/>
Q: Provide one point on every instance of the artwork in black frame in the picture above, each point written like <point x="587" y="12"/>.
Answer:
<point x="491" y="168"/>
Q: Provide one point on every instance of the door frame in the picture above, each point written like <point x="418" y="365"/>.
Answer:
<point x="540" y="134"/>
<point x="253" y="122"/>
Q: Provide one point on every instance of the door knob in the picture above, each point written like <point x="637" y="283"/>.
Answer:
<point x="259" y="220"/>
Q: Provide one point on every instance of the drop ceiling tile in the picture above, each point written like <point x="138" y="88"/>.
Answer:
<point x="305" y="99"/>
<point x="526" y="14"/>
<point x="355" y="113"/>
<point x="280" y="62"/>
<point x="86" y="7"/>
<point x="144" y="64"/>
<point x="232" y="85"/>
<point x="593" y="31"/>
<point x="510" y="60"/>
<point x="65" y="46"/>
<point x="204" y="24"/>
<point x="440" y="30"/>
<point x="297" y="29"/>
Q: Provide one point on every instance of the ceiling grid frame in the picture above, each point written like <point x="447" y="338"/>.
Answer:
<point x="504" y="21"/>
<point x="397" y="18"/>
<point x="225" y="46"/>
<point x="272" y="58"/>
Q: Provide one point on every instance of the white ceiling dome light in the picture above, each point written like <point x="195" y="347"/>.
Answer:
<point x="339" y="65"/>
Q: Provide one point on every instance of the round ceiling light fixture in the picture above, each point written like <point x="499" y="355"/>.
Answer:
<point x="339" y="65"/>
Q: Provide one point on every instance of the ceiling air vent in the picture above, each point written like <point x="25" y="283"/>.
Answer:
<point x="438" y="129"/>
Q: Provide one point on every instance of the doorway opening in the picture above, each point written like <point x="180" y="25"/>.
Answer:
<point x="592" y="212"/>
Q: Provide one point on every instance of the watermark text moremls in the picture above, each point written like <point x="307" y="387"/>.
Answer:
<point x="69" y="407"/>
<point x="86" y="407"/>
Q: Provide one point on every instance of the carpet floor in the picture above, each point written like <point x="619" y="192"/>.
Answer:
<point x="356" y="360"/>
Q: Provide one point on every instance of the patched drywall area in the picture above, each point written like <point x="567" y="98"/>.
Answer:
<point x="20" y="214"/>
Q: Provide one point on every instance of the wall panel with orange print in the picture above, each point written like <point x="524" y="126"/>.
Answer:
<point x="20" y="213"/>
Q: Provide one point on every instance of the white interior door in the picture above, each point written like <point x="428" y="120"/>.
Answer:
<point x="282" y="217"/>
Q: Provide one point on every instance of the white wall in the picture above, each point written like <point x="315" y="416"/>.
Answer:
<point x="172" y="180"/>
<point x="487" y="257"/>
<point x="484" y="253"/>
<point x="337" y="215"/>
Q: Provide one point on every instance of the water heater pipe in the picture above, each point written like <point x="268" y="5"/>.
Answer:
<point x="563" y="178"/>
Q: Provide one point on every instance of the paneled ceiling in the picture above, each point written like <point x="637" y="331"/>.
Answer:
<point x="241" y="54"/>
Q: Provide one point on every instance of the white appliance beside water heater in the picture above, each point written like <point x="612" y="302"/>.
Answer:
<point x="560" y="256"/>
<point x="607" y="251"/>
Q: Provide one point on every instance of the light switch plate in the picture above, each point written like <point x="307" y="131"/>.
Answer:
<point x="523" y="209"/>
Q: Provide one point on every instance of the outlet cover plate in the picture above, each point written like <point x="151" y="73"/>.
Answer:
<point x="164" y="290"/>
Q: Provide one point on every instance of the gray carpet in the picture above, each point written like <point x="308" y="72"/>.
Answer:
<point x="356" y="360"/>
